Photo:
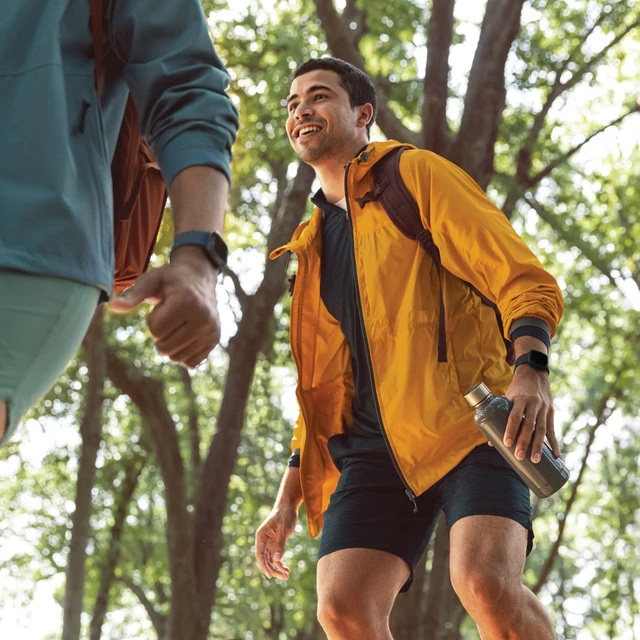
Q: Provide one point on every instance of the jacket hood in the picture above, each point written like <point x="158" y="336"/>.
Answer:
<point x="362" y="164"/>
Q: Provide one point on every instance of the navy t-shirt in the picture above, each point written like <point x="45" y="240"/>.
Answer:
<point x="339" y="293"/>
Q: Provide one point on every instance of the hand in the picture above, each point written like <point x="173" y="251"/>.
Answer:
<point x="184" y="322"/>
<point x="271" y="539"/>
<point x="530" y="394"/>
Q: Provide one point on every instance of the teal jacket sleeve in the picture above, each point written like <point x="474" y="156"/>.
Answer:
<point x="177" y="81"/>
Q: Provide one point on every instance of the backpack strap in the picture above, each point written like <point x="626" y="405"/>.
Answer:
<point x="401" y="207"/>
<point x="95" y="7"/>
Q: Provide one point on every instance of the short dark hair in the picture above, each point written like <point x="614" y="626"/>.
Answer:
<point x="355" y="82"/>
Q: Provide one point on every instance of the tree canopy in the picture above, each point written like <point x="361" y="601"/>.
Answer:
<point x="133" y="492"/>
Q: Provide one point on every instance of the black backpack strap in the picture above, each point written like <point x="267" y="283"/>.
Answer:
<point x="401" y="207"/>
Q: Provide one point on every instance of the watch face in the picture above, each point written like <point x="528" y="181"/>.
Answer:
<point x="218" y="249"/>
<point x="539" y="358"/>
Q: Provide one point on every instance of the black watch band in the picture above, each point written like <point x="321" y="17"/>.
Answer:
<point x="536" y="359"/>
<point x="211" y="242"/>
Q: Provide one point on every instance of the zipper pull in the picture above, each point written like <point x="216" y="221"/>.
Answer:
<point x="412" y="497"/>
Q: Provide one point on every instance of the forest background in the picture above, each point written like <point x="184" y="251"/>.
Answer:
<point x="130" y="498"/>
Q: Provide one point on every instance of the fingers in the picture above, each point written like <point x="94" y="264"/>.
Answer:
<point x="184" y="345"/>
<point x="269" y="552"/>
<point x="551" y="434"/>
<point x="147" y="287"/>
<point x="261" y="553"/>
<point x="538" y="437"/>
<point x="513" y="423"/>
<point x="185" y="325"/>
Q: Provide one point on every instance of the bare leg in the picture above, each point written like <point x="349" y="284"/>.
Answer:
<point x="487" y="558"/>
<point x="356" y="591"/>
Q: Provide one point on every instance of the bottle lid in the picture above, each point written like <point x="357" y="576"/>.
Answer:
<point x="477" y="394"/>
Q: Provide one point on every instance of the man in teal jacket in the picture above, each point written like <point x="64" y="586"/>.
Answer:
<point x="56" y="212"/>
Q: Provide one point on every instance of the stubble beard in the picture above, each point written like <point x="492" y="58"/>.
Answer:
<point x="323" y="149"/>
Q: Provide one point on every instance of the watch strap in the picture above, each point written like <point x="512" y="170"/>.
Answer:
<point x="207" y="240"/>
<point x="529" y="358"/>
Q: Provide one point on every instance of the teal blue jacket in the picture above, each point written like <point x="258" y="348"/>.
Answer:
<point x="56" y="211"/>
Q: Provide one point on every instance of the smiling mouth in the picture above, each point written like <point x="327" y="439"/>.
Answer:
<point x="307" y="130"/>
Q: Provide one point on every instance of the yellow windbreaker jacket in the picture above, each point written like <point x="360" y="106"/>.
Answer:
<point x="427" y="423"/>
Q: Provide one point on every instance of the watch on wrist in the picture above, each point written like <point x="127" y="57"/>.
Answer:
<point x="211" y="242"/>
<point x="536" y="359"/>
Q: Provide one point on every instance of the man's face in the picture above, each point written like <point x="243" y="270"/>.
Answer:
<point x="320" y="119"/>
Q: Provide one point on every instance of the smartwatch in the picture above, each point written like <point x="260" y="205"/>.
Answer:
<point x="211" y="242"/>
<point x="536" y="359"/>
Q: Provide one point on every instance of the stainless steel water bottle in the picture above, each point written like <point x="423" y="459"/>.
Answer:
<point x="491" y="415"/>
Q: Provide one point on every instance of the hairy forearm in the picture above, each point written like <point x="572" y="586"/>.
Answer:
<point x="198" y="196"/>
<point x="290" y="492"/>
<point x="524" y="344"/>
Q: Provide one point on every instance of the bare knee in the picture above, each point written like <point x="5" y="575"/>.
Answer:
<point x="350" y="617"/>
<point x="486" y="592"/>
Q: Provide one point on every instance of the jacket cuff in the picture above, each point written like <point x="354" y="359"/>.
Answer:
<point x="177" y="157"/>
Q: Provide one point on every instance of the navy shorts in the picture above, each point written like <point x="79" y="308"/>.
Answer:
<point x="370" y="509"/>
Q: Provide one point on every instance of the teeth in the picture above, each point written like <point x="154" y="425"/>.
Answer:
<point x="308" y="129"/>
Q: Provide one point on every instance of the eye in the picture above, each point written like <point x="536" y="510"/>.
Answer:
<point x="292" y="106"/>
<point x="319" y="95"/>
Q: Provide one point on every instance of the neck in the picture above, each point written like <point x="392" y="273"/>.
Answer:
<point x="330" y="173"/>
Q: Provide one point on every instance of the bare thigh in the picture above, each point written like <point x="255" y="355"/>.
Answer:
<point x="3" y="418"/>
<point x="485" y="548"/>
<point x="368" y="578"/>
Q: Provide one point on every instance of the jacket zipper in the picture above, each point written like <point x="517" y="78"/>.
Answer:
<point x="410" y="494"/>
<point x="295" y="353"/>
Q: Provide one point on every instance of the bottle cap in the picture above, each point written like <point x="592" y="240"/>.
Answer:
<point x="477" y="394"/>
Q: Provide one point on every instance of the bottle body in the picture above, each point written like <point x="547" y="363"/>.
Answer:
<point x="491" y="415"/>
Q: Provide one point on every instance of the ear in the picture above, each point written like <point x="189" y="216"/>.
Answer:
<point x="365" y="113"/>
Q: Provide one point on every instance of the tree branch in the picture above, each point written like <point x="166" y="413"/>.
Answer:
<point x="554" y="164"/>
<point x="603" y="414"/>
<point x="484" y="103"/>
<point x="158" y="620"/>
<point x="133" y="467"/>
<point x="241" y="294"/>
<point x="91" y="433"/>
<point x="252" y="332"/>
<point x="148" y="395"/>
<point x="557" y="89"/>
<point x="192" y="423"/>
<point x="359" y="16"/>
<point x="435" y="130"/>
<point x="525" y="155"/>
<point x="572" y="238"/>
<point x="341" y="45"/>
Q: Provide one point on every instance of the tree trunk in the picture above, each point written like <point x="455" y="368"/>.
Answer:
<point x="440" y="593"/>
<point x="244" y="350"/>
<point x="148" y="395"/>
<point x="484" y="102"/>
<point x="133" y="468"/>
<point x="406" y="617"/>
<point x="90" y="430"/>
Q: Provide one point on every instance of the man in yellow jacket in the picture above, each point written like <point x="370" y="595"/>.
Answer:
<point x="385" y="441"/>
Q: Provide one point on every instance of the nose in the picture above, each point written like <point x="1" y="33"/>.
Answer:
<point x="303" y="110"/>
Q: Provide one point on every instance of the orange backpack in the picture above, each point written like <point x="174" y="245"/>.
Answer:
<point x="139" y="192"/>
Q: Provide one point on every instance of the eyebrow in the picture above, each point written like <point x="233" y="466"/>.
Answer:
<point x="315" y="87"/>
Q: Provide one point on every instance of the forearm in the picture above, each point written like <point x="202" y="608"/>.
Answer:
<point x="290" y="492"/>
<point x="198" y="197"/>
<point x="524" y="344"/>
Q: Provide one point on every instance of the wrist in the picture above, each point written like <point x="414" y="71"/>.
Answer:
<point x="287" y="507"/>
<point x="535" y="360"/>
<point x="195" y="258"/>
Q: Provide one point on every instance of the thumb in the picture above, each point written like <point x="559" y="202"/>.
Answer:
<point x="278" y="548"/>
<point x="146" y="287"/>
